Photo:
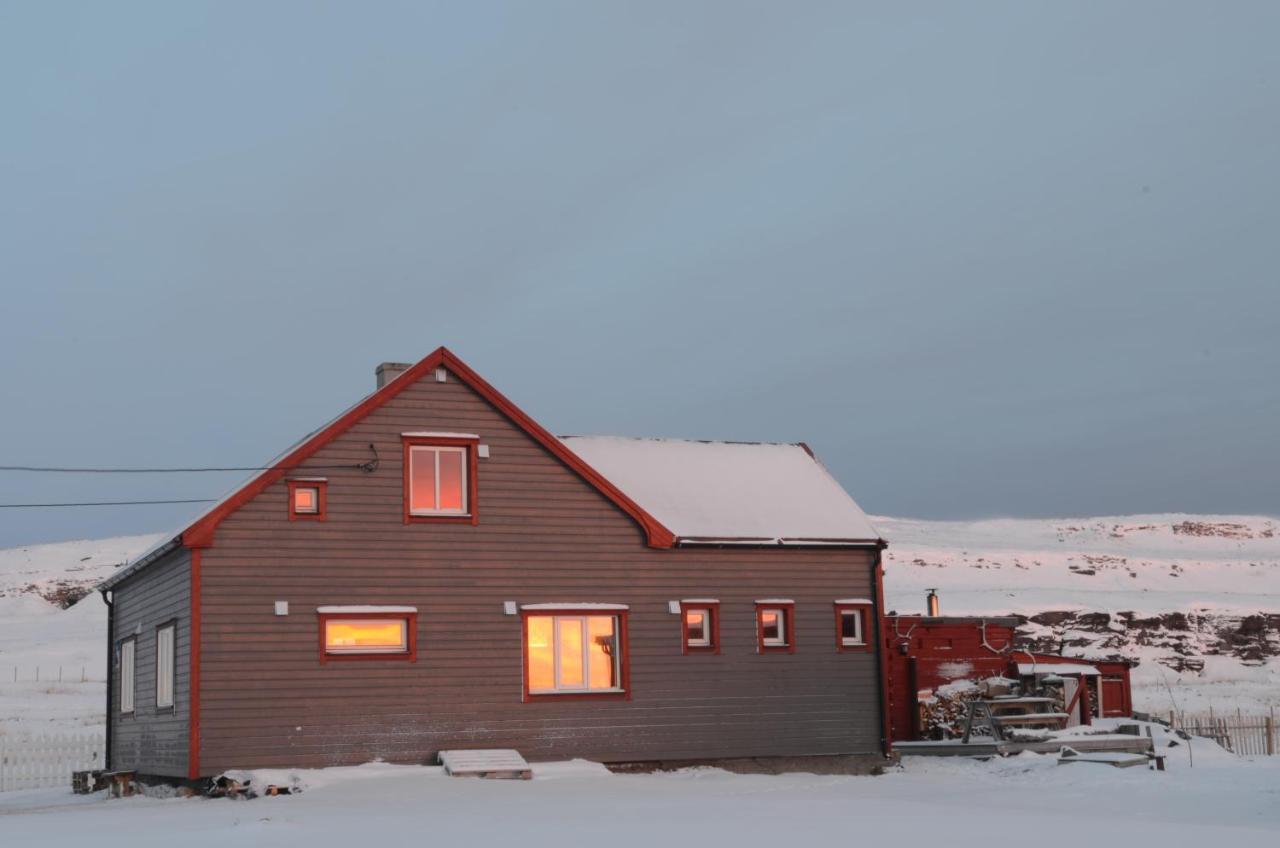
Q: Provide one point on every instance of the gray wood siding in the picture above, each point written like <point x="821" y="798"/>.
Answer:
<point x="544" y="535"/>
<point x="153" y="740"/>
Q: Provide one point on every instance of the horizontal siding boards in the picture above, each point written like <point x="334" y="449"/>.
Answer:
<point x="544" y="535"/>
<point x="151" y="740"/>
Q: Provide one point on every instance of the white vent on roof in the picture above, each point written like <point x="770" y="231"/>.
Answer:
<point x="441" y="375"/>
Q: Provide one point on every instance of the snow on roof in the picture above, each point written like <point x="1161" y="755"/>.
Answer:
<point x="704" y="491"/>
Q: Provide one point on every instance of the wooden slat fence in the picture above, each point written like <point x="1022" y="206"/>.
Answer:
<point x="45" y="762"/>
<point x="1240" y="733"/>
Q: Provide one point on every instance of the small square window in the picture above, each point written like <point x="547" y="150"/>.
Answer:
<point x="700" y="626"/>
<point x="775" y="626"/>
<point x="308" y="500"/>
<point x="852" y="626"/>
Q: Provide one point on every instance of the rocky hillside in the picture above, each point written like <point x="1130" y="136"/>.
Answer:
<point x="1194" y="599"/>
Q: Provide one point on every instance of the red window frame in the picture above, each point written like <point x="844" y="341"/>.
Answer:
<point x="865" y="611"/>
<point x="472" y="465"/>
<point x="713" y="627"/>
<point x="789" y="626"/>
<point x="411" y="637"/>
<point x="624" y="662"/>
<point x="322" y="500"/>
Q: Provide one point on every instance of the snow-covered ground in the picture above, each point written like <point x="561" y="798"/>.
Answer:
<point x="1028" y="798"/>
<point x="1214" y="569"/>
<point x="40" y="641"/>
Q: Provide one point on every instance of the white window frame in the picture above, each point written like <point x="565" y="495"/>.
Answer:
<point x="705" y="641"/>
<point x="348" y="650"/>
<point x="779" y="641"/>
<point x="128" y="674"/>
<point x="166" y="650"/>
<point x="435" y="451"/>
<point x="861" y="639"/>
<point x="581" y="618"/>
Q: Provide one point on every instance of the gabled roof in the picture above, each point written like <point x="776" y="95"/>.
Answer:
<point x="730" y="492"/>
<point x="199" y="533"/>
<point x="679" y="492"/>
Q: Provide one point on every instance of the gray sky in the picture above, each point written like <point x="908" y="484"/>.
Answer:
<point x="988" y="259"/>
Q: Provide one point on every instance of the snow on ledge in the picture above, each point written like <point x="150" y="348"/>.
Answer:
<point x="852" y="601"/>
<point x="432" y="434"/>
<point x="775" y="601"/>
<point x="364" y="608"/>
<point x="574" y="606"/>
<point x="699" y="600"/>
<point x="1056" y="668"/>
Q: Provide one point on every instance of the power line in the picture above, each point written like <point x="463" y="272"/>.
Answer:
<point x="106" y="503"/>
<point x="364" y="466"/>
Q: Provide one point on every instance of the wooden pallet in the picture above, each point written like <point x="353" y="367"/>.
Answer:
<point x="494" y="763"/>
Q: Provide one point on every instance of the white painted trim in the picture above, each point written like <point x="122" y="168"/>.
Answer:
<point x="358" y="608"/>
<point x="433" y="434"/>
<point x="699" y="601"/>
<point x="307" y="479"/>
<point x="852" y="601"/>
<point x="775" y="601"/>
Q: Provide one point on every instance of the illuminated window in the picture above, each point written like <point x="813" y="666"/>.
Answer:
<point x="574" y="654"/>
<point x="164" y="665"/>
<point x="775" y="626"/>
<point x="368" y="635"/>
<point x="128" y="678"/>
<point x="307" y="500"/>
<point x="439" y="482"/>
<point x="851" y="625"/>
<point x="700" y="626"/>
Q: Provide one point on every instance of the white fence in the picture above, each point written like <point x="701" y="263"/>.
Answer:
<point x="47" y="761"/>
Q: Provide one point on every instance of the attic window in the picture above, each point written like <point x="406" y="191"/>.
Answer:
<point x="440" y="478"/>
<point x="308" y="500"/>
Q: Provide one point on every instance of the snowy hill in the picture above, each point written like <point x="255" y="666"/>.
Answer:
<point x="1195" y="599"/>
<point x="53" y="660"/>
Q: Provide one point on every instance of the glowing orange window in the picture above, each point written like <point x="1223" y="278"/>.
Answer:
<point x="574" y="654"/>
<point x="439" y="479"/>
<point x="308" y="500"/>
<point x="368" y="635"/>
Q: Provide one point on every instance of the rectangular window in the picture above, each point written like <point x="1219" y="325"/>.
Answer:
<point x="700" y="626"/>
<point x="165" y="665"/>
<point x="368" y="635"/>
<point x="575" y="653"/>
<point x="852" y="619"/>
<point x="439" y="479"/>
<point x="127" y="675"/>
<point x="308" y="500"/>
<point x="775" y="626"/>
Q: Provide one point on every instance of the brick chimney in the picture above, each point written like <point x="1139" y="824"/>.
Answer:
<point x="388" y="371"/>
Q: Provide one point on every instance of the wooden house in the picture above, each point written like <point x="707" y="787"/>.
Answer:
<point x="434" y="570"/>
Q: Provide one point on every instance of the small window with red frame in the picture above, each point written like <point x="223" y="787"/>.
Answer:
<point x="308" y="500"/>
<point x="852" y="620"/>
<point x="775" y="627"/>
<point x="700" y="626"/>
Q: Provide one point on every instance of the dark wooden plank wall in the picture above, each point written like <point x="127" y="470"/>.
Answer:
<point x="543" y="536"/>
<point x="152" y="740"/>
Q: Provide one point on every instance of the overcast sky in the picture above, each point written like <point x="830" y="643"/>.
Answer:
<point x="987" y="259"/>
